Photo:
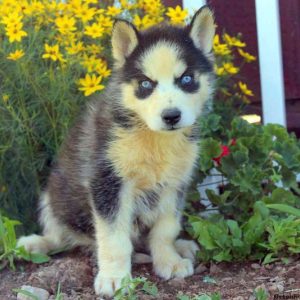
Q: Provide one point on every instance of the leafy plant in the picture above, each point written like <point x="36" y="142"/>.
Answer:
<point x="261" y="294"/>
<point x="259" y="195"/>
<point x="9" y="251"/>
<point x="130" y="287"/>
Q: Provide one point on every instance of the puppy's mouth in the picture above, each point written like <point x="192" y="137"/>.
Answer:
<point x="172" y="128"/>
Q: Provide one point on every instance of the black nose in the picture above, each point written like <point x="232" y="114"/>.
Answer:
<point x="171" y="116"/>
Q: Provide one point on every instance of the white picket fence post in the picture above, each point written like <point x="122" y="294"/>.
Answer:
<point x="193" y="5"/>
<point x="270" y="61"/>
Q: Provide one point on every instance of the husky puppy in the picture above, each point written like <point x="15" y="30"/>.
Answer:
<point x="122" y="172"/>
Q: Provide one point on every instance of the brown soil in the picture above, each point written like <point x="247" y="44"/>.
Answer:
<point x="235" y="281"/>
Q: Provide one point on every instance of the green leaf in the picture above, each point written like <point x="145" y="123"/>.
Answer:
<point x="260" y="208"/>
<point x="206" y="240"/>
<point x="234" y="229"/>
<point x="269" y="259"/>
<point x="210" y="123"/>
<point x="276" y="130"/>
<point x="285" y="208"/>
<point x="223" y="256"/>
<point x="217" y="199"/>
<point x="248" y="179"/>
<point x="281" y="196"/>
<point x="209" y="149"/>
<point x="290" y="153"/>
<point x="39" y="258"/>
<point x="150" y="289"/>
<point x="261" y="294"/>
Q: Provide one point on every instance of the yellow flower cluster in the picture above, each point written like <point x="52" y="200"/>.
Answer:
<point x="226" y="48"/>
<point x="72" y="33"/>
<point x="224" y="54"/>
<point x="77" y="32"/>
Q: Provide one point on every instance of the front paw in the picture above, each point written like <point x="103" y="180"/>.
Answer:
<point x="107" y="286"/>
<point x="176" y="268"/>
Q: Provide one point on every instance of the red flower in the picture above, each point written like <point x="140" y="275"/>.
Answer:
<point x="225" y="152"/>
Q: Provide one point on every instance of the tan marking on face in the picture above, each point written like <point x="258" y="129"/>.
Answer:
<point x="162" y="61"/>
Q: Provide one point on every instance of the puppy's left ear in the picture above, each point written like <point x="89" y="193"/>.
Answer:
<point x="124" y="40"/>
<point x="202" y="29"/>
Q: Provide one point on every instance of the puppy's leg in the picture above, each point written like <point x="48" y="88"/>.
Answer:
<point x="166" y="261"/>
<point x="53" y="232"/>
<point x="114" y="248"/>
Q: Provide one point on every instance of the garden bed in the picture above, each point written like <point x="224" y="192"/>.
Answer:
<point x="75" y="271"/>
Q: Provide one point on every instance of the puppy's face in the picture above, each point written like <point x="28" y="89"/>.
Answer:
<point x="166" y="72"/>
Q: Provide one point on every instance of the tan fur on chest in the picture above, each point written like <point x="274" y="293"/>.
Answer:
<point x="149" y="158"/>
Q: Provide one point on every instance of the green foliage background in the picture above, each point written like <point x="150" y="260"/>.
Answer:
<point x="33" y="123"/>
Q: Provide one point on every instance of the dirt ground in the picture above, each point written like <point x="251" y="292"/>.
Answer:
<point x="235" y="281"/>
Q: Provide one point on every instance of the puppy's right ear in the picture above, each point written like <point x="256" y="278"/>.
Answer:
<point x="124" y="40"/>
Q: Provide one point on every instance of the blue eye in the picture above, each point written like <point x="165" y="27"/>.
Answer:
<point x="146" y="84"/>
<point x="186" y="79"/>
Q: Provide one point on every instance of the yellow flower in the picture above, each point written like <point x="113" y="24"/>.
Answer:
<point x="106" y="22"/>
<point x="52" y="52"/>
<point x="5" y="98"/>
<point x="84" y="12"/>
<point x="154" y="8"/>
<point x="113" y="11"/>
<point x="91" y="1"/>
<point x="15" y="32"/>
<point x="11" y="19"/>
<point x="244" y="89"/>
<point x="37" y="7"/>
<point x="143" y="23"/>
<point x="102" y="69"/>
<point x="25" y="7"/>
<point x="90" y="84"/>
<point x="75" y="48"/>
<point x="74" y="5"/>
<point x="65" y="24"/>
<point x="220" y="49"/>
<point x="248" y="57"/>
<point x="90" y="63"/>
<point x="94" y="49"/>
<point x="227" y="68"/>
<point x="233" y="41"/>
<point x="230" y="68"/>
<point x="177" y="15"/>
<point x="15" y="55"/>
<point x="219" y="70"/>
<point x="94" y="30"/>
